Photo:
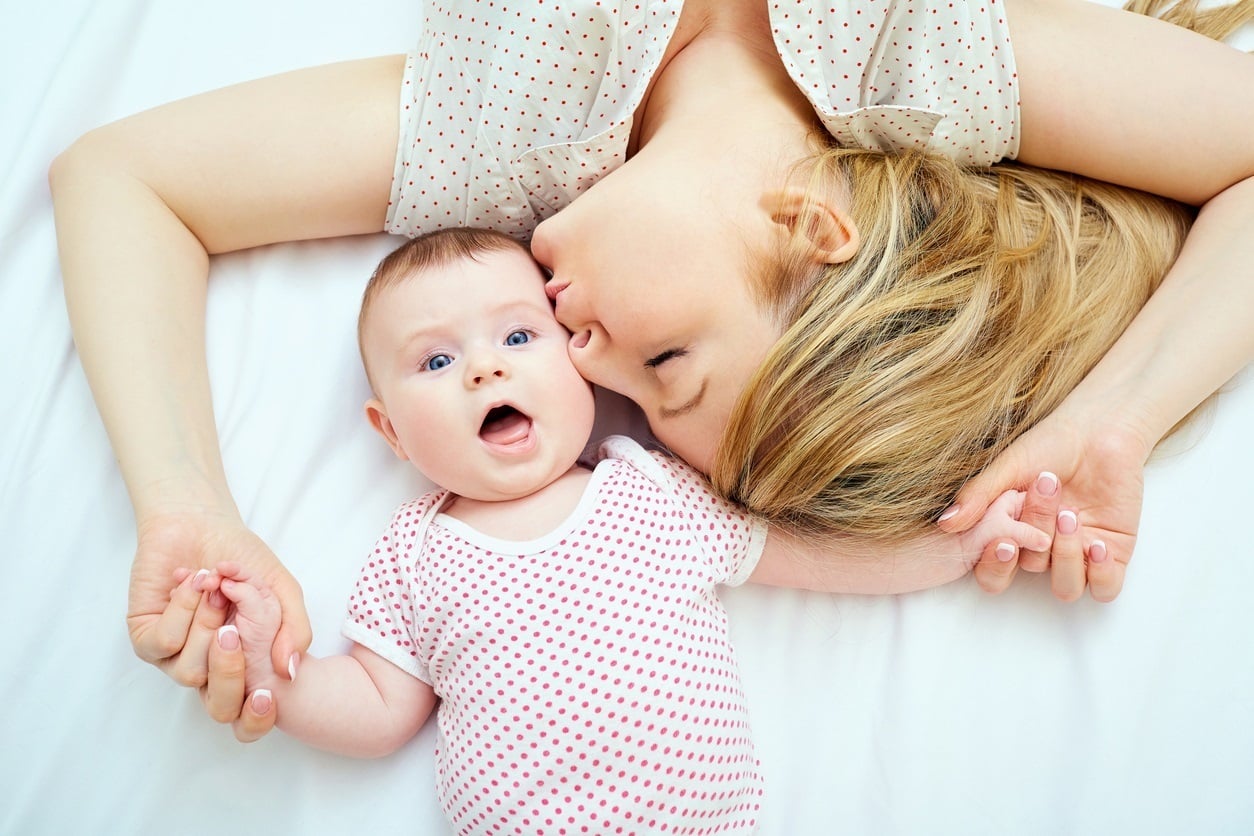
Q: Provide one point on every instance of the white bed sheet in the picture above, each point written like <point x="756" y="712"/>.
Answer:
<point x="942" y="712"/>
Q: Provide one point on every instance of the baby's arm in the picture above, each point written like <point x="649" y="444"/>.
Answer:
<point x="359" y="705"/>
<point x="875" y="568"/>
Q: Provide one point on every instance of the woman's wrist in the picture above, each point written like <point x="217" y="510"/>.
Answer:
<point x="173" y="497"/>
<point x="1115" y="413"/>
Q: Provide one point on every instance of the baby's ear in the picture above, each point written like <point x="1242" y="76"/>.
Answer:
<point x="376" y="414"/>
<point x="826" y="226"/>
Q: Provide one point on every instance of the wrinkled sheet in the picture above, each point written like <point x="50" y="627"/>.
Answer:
<point x="942" y="712"/>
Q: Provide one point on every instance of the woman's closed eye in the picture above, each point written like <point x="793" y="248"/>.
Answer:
<point x="664" y="357"/>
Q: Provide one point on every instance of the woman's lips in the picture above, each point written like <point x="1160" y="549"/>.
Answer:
<point x="553" y="288"/>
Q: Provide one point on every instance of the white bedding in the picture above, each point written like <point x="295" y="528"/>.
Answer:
<point x="943" y="712"/>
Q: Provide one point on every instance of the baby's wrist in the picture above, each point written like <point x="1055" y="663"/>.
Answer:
<point x="268" y="681"/>
<point x="259" y="672"/>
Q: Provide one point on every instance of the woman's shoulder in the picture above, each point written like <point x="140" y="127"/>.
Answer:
<point x="510" y="110"/>
<point x="906" y="74"/>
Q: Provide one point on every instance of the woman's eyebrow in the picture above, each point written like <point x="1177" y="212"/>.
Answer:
<point x="686" y="407"/>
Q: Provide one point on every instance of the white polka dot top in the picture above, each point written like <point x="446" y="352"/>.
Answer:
<point x="587" y="680"/>
<point x="510" y="110"/>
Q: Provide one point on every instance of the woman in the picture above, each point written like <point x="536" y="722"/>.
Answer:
<point x="712" y="119"/>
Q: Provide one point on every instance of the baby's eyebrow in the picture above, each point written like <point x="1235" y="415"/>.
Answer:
<point x="524" y="306"/>
<point x="686" y="407"/>
<point x="416" y="335"/>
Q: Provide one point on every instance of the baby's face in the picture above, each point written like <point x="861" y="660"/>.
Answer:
<point x="472" y="371"/>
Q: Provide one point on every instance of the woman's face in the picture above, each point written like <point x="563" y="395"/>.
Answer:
<point x="649" y="275"/>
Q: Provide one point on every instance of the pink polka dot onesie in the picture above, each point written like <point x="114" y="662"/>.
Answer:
<point x="510" y="110"/>
<point x="586" y="678"/>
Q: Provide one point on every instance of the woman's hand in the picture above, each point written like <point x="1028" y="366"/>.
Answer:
<point x="176" y="630"/>
<point x="251" y="718"/>
<point x="1099" y="466"/>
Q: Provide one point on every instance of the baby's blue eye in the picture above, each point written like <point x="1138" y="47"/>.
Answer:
<point x="518" y="338"/>
<point x="439" y="361"/>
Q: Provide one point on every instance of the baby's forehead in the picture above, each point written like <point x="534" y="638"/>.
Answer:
<point x="447" y="296"/>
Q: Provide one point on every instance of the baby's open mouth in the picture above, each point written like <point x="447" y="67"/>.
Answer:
<point x="505" y="425"/>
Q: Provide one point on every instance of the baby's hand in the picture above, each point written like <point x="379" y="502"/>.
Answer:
<point x="257" y="617"/>
<point x="1000" y="533"/>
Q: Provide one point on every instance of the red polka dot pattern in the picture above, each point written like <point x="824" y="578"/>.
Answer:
<point x="587" y="680"/>
<point x="906" y="74"/>
<point x="511" y="110"/>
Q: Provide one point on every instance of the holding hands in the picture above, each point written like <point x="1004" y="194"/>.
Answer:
<point x="1098" y="485"/>
<point x="182" y="632"/>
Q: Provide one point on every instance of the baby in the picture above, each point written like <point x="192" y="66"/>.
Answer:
<point x="563" y="616"/>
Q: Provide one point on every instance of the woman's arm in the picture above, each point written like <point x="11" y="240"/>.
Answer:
<point x="1015" y="520"/>
<point x="1142" y="103"/>
<point x="140" y="205"/>
<point x="1145" y="104"/>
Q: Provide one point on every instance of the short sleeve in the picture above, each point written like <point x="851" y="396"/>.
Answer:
<point x="730" y="538"/>
<point x="508" y="111"/>
<point x="931" y="75"/>
<point x="381" y="609"/>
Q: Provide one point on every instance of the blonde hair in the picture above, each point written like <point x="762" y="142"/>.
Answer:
<point x="433" y="249"/>
<point x="1215" y="22"/>
<point x="977" y="301"/>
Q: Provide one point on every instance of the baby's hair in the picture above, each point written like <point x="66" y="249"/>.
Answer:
<point x="433" y="249"/>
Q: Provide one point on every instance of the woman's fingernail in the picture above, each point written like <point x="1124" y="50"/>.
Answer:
<point x="198" y="582"/>
<point x="949" y="512"/>
<point x="291" y="666"/>
<point x="1006" y="552"/>
<point x="1097" y="552"/>
<point x="1047" y="484"/>
<point x="261" y="701"/>
<point x="228" y="637"/>
<point x="1067" y="522"/>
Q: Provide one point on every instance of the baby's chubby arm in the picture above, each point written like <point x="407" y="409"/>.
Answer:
<point x="359" y="705"/>
<point x="859" y="566"/>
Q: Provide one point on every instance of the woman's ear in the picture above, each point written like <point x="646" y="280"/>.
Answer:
<point x="377" y="415"/>
<point x="826" y="226"/>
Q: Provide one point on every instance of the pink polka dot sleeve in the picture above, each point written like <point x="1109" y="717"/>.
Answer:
<point x="730" y="539"/>
<point x="389" y="591"/>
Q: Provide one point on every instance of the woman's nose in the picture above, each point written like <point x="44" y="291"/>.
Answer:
<point x="589" y="352"/>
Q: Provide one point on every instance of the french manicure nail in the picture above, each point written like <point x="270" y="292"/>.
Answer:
<point x="1067" y="522"/>
<point x="949" y="512"/>
<point x="228" y="637"/>
<point x="1005" y="552"/>
<point x="1046" y="484"/>
<point x="1097" y="552"/>
<point x="198" y="582"/>
<point x="291" y="666"/>
<point x="261" y="701"/>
